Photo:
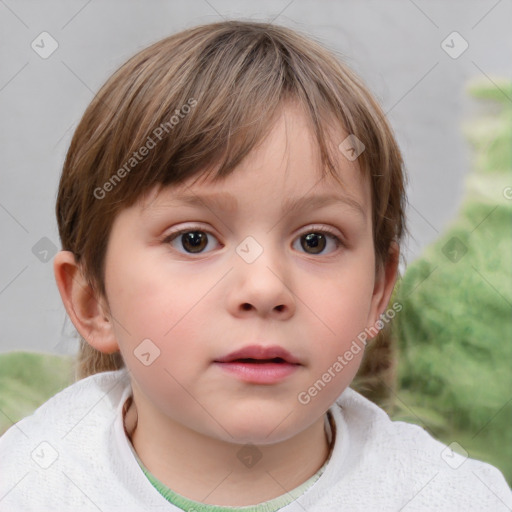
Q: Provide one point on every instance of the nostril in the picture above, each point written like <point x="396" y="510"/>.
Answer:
<point x="247" y="307"/>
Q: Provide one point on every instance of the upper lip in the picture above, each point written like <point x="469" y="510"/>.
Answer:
<point x="259" y="352"/>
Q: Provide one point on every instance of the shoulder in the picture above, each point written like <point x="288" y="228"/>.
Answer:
<point x="61" y="434"/>
<point x="98" y="394"/>
<point x="405" y="460"/>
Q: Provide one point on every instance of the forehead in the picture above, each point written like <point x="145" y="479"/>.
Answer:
<point x="285" y="167"/>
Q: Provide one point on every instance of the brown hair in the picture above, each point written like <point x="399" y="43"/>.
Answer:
<point x="200" y="100"/>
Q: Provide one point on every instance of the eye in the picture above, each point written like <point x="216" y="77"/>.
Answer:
<point x="192" y="240"/>
<point x="315" y="241"/>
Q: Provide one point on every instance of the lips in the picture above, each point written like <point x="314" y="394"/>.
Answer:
<point x="258" y="354"/>
<point x="259" y="365"/>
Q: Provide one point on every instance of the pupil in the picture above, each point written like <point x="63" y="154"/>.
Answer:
<point x="194" y="241"/>
<point x="315" y="241"/>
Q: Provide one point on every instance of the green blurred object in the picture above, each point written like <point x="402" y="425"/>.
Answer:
<point x="27" y="380"/>
<point x="455" y="330"/>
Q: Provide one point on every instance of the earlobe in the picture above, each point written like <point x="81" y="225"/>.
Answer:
<point x="88" y="312"/>
<point x="385" y="280"/>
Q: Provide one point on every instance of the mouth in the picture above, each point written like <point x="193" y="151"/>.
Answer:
<point x="258" y="354"/>
<point x="259" y="365"/>
<point x="249" y="360"/>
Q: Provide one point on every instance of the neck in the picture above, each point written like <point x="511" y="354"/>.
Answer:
<point x="216" y="472"/>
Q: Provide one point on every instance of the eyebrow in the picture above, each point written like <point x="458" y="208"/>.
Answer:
<point x="228" y="202"/>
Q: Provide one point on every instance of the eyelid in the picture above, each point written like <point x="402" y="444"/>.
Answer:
<point x="314" y="228"/>
<point x="185" y="229"/>
<point x="309" y="228"/>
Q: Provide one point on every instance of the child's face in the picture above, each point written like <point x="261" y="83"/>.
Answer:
<point x="199" y="298"/>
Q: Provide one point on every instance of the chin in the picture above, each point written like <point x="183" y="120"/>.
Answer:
<point x="260" y="427"/>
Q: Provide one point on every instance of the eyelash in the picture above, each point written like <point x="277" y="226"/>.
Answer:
<point x="313" y="229"/>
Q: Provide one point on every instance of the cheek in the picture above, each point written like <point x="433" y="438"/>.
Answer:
<point x="156" y="320"/>
<point x="144" y="301"/>
<point x="162" y="354"/>
<point x="342" y="308"/>
<point x="342" y="304"/>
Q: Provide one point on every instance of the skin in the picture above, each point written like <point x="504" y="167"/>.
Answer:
<point x="193" y="417"/>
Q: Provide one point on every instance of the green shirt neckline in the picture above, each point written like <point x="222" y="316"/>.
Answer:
<point x="267" y="506"/>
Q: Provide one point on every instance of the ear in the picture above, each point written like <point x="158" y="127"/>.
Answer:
<point x="87" y="310"/>
<point x="385" y="279"/>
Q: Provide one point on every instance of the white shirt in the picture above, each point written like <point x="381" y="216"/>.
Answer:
<point x="72" y="454"/>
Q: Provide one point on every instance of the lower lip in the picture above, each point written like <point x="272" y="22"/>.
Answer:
<point x="259" y="373"/>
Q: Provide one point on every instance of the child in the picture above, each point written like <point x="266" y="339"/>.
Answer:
<point x="230" y="210"/>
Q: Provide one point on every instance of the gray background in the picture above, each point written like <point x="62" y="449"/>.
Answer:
<point x="394" y="45"/>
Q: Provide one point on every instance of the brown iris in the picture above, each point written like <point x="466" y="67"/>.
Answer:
<point x="315" y="241"/>
<point x="194" y="241"/>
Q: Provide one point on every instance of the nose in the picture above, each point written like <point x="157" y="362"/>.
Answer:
<point x="261" y="287"/>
